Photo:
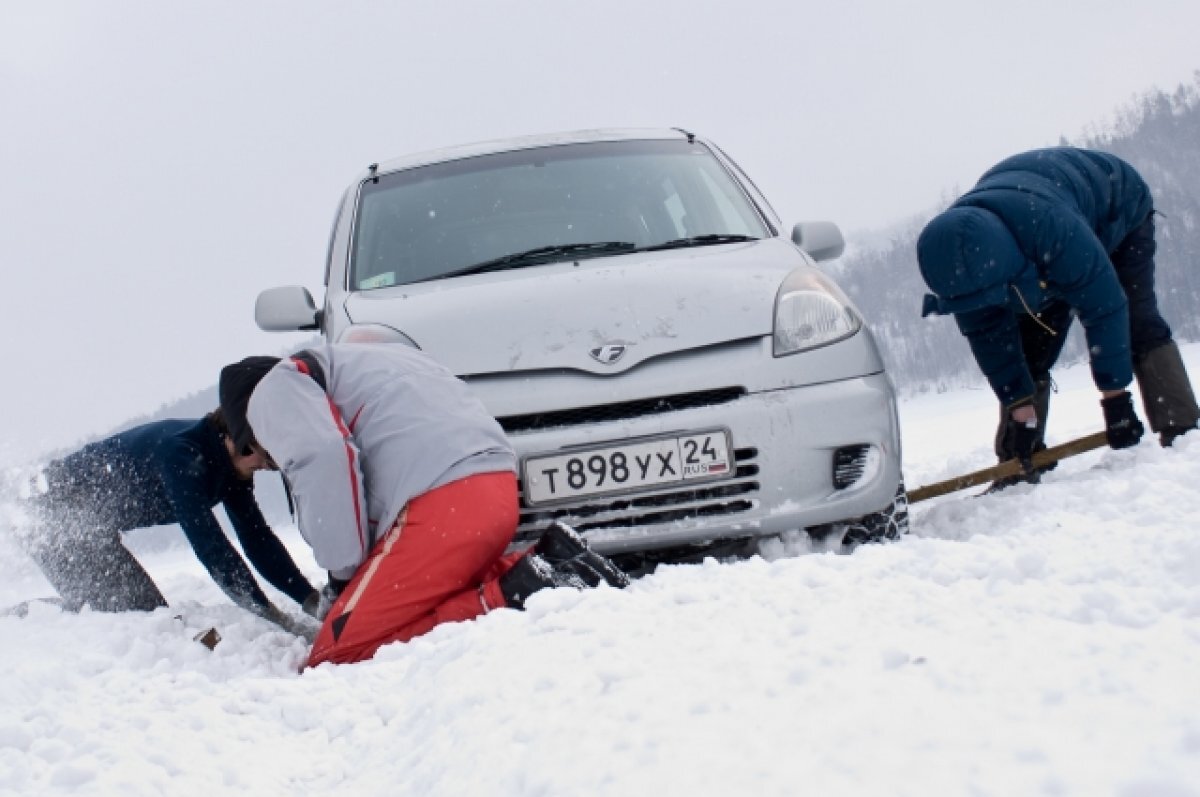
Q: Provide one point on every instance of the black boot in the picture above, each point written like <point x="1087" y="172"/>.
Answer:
<point x="1166" y="392"/>
<point x="530" y="574"/>
<point x="563" y="548"/>
<point x="1167" y="436"/>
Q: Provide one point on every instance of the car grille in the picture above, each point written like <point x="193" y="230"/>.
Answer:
<point x="620" y="411"/>
<point x="666" y="504"/>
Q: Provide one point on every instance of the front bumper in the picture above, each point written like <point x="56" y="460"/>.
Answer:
<point x="784" y="442"/>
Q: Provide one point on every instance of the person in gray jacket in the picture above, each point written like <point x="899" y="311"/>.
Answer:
<point x="404" y="487"/>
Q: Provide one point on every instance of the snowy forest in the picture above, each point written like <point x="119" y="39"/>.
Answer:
<point x="1159" y="134"/>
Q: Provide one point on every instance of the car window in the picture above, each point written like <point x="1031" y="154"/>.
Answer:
<point x="422" y="223"/>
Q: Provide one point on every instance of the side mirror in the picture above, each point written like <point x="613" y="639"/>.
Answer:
<point x="822" y="240"/>
<point x="286" y="309"/>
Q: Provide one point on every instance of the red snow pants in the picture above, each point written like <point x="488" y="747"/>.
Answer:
<point x="439" y="563"/>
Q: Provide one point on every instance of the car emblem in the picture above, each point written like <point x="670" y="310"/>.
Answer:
<point x="609" y="353"/>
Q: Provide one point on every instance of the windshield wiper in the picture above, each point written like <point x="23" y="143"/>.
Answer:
<point x="700" y="240"/>
<point x="543" y="254"/>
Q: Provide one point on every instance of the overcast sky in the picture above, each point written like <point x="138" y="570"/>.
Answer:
<point x="163" y="162"/>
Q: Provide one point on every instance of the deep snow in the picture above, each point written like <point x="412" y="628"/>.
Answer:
<point x="1041" y="641"/>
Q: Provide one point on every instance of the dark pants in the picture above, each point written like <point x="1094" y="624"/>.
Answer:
<point x="1133" y="260"/>
<point x="83" y="558"/>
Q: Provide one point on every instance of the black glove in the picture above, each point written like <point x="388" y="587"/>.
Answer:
<point x="1121" y="424"/>
<point x="1021" y="439"/>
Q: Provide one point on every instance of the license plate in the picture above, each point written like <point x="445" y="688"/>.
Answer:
<point x="625" y="466"/>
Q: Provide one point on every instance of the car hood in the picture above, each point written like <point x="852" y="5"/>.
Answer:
<point x="600" y="315"/>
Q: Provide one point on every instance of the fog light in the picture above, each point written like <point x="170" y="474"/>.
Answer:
<point x="849" y="465"/>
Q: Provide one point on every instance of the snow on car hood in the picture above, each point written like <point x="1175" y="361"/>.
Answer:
<point x="602" y="315"/>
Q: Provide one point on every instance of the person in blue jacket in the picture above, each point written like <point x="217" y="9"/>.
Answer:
<point x="1045" y="237"/>
<point x="171" y="471"/>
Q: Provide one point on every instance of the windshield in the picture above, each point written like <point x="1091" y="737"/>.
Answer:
<point x="435" y="221"/>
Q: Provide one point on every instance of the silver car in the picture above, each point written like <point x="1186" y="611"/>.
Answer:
<point x="676" y="376"/>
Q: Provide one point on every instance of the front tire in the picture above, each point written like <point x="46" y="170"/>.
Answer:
<point x="889" y="523"/>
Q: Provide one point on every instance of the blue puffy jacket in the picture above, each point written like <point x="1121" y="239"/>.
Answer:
<point x="1038" y="227"/>
<point x="175" y="471"/>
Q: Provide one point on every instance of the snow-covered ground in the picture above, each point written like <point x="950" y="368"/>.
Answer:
<point x="1043" y="641"/>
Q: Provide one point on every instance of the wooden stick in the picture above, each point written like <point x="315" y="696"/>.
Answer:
<point x="1010" y="468"/>
<point x="209" y="638"/>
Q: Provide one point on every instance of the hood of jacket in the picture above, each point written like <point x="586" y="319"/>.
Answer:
<point x="970" y="260"/>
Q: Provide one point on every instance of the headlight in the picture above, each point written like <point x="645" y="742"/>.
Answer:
<point x="811" y="311"/>
<point x="374" y="333"/>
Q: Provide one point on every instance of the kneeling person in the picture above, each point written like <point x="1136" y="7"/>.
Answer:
<point x="171" y="471"/>
<point x="404" y="487"/>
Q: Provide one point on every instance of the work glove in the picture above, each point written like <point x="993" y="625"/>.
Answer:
<point x="1024" y="438"/>
<point x="1021" y="439"/>
<point x="1121" y="424"/>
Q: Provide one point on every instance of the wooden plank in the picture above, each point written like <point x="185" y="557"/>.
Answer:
<point x="1010" y="468"/>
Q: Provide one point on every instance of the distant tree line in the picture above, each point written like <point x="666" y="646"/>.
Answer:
<point x="1159" y="133"/>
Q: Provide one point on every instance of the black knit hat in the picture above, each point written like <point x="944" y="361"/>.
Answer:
<point x="237" y="383"/>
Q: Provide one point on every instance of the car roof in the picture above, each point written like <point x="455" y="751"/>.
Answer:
<point x="527" y="142"/>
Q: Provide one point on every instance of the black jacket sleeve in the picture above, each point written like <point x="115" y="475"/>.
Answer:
<point x="264" y="550"/>
<point x="184" y="473"/>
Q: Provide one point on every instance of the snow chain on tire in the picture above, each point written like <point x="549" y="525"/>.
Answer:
<point x="887" y="524"/>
